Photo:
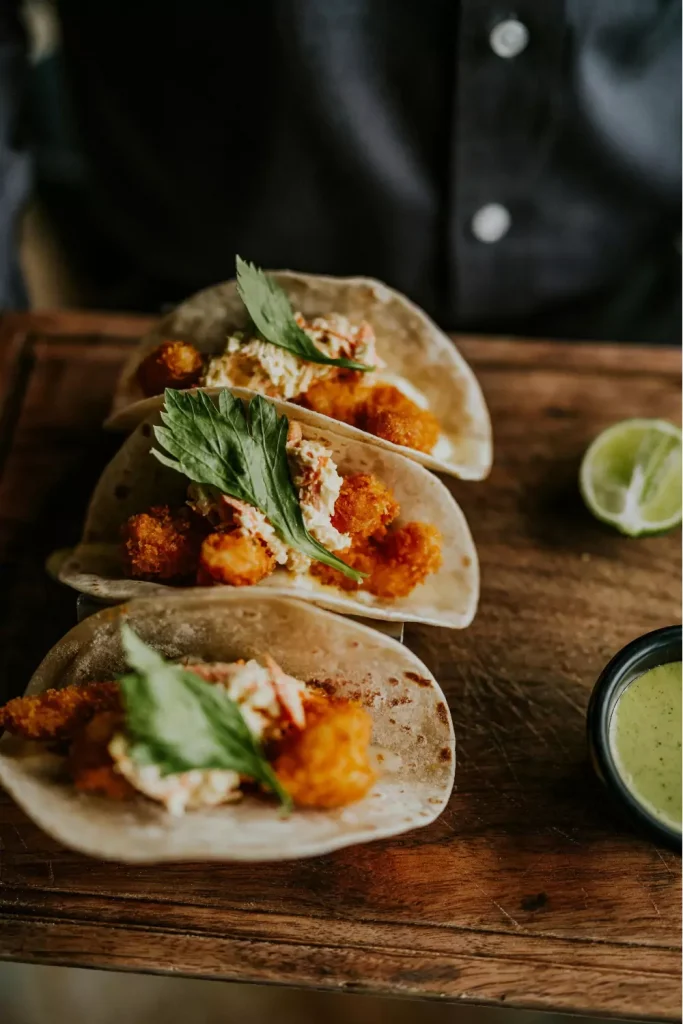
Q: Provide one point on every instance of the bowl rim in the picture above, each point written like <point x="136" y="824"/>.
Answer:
<point x="658" y="647"/>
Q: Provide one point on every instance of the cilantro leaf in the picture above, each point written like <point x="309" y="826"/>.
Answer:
<point x="271" y="311"/>
<point x="180" y="722"/>
<point x="241" y="450"/>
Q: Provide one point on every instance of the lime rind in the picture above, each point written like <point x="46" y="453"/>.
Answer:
<point x="631" y="477"/>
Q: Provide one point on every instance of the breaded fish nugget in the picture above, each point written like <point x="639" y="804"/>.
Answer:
<point x="58" y="714"/>
<point x="174" y="364"/>
<point x="404" y="559"/>
<point x="365" y="506"/>
<point x="391" y="415"/>
<point x="328" y="763"/>
<point x="162" y="544"/>
<point x="339" y="395"/>
<point x="233" y="559"/>
<point x="90" y="764"/>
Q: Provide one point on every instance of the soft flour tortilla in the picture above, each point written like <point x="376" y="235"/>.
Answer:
<point x="409" y="342"/>
<point x="135" y="480"/>
<point x="411" y="728"/>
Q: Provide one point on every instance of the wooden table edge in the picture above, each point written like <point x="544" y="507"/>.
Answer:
<point x="68" y="942"/>
<point x="453" y="965"/>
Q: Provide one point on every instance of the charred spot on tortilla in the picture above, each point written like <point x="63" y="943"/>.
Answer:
<point x="121" y="491"/>
<point x="329" y="684"/>
<point x="445" y="754"/>
<point x="398" y="701"/>
<point x="414" y="677"/>
<point x="442" y="712"/>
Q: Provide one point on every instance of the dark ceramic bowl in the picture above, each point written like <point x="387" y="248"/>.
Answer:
<point x="649" y="651"/>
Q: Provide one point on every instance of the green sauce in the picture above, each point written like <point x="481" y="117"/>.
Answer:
<point x="645" y="737"/>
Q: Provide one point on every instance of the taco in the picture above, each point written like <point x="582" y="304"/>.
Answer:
<point x="236" y="494"/>
<point x="231" y="726"/>
<point x="356" y="356"/>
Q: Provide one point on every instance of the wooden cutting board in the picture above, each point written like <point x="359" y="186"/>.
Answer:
<point x="531" y="890"/>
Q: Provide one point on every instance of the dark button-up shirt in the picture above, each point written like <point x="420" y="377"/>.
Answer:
<point x="512" y="170"/>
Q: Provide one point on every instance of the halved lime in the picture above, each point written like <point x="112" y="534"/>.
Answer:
<point x="631" y="476"/>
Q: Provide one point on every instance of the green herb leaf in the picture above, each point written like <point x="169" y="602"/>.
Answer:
<point x="271" y="311"/>
<point x="241" y="450"/>
<point x="180" y="722"/>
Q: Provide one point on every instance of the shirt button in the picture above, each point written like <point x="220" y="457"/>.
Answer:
<point x="491" y="223"/>
<point x="509" y="38"/>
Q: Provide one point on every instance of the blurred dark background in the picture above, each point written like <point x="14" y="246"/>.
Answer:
<point x="515" y="171"/>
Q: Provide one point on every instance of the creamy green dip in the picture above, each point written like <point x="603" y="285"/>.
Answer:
<point x="645" y="737"/>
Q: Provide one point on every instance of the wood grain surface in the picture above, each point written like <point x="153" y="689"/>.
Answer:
<point x="531" y="890"/>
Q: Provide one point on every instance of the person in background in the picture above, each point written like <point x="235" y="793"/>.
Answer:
<point x="512" y="170"/>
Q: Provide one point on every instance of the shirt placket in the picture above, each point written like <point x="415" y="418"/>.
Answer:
<point x="508" y="69"/>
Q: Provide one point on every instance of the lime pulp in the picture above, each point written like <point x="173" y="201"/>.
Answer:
<point x="630" y="476"/>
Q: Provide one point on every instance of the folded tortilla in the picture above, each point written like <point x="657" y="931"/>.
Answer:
<point x="134" y="481"/>
<point x="409" y="342"/>
<point x="412" y="731"/>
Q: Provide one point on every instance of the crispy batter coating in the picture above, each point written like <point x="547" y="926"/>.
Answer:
<point x="233" y="559"/>
<point x="382" y="410"/>
<point x="390" y="414"/>
<point x="174" y="364"/>
<point x="162" y="544"/>
<point x="328" y="763"/>
<point x="360" y="555"/>
<point x="394" y="565"/>
<point x="405" y="558"/>
<point x="339" y="395"/>
<point x="58" y="714"/>
<point x="365" y="506"/>
<point x="91" y="765"/>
